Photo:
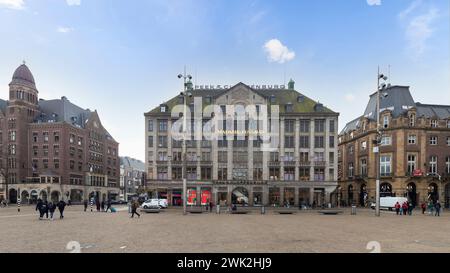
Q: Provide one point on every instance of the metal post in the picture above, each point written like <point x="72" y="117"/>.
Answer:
<point x="18" y="199"/>
<point x="184" y="144"/>
<point x="377" y="154"/>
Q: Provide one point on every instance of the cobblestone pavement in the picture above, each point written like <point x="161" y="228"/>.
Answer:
<point x="170" y="231"/>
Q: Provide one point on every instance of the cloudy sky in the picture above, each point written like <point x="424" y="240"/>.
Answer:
<point x="122" y="57"/>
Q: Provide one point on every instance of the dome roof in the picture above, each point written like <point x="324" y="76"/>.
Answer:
<point x="23" y="75"/>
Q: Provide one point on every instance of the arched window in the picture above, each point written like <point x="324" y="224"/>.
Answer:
<point x="412" y="120"/>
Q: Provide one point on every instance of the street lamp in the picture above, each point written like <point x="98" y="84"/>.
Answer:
<point x="378" y="140"/>
<point x="186" y="94"/>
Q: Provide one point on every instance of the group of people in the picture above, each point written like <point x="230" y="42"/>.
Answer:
<point x="45" y="207"/>
<point x="100" y="206"/>
<point x="436" y="207"/>
<point x="403" y="209"/>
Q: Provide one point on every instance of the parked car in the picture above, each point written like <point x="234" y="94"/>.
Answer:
<point x="162" y="203"/>
<point x="118" y="202"/>
<point x="389" y="202"/>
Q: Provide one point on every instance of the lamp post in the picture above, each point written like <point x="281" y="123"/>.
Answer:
<point x="378" y="140"/>
<point x="186" y="93"/>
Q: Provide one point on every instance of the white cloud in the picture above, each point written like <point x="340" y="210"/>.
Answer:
<point x="73" y="2"/>
<point x="12" y="4"/>
<point x="64" y="29"/>
<point x="350" y="97"/>
<point x="419" y="31"/>
<point x="277" y="52"/>
<point x="410" y="9"/>
<point x="374" y="2"/>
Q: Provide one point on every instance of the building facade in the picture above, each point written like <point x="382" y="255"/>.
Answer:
<point x="301" y="169"/>
<point x="414" y="151"/>
<point x="132" y="177"/>
<point x="53" y="149"/>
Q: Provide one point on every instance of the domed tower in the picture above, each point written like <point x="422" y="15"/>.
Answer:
<point x="23" y="92"/>
<point x="21" y="111"/>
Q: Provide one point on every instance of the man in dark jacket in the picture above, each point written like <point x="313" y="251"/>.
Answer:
<point x="97" y="203"/>
<point x="61" y="206"/>
<point x="103" y="205"/>
<point x="108" y="205"/>
<point x="85" y="203"/>
<point x="51" y="209"/>
<point x="437" y="206"/>
<point x="134" y="207"/>
<point x="40" y="208"/>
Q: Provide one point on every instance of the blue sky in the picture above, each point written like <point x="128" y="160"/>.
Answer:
<point x="122" y="57"/>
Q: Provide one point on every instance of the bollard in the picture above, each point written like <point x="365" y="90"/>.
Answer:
<point x="263" y="210"/>
<point x="218" y="209"/>
<point x="92" y="201"/>
<point x="353" y="210"/>
<point x="18" y="204"/>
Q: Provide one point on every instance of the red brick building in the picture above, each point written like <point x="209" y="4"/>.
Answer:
<point x="53" y="149"/>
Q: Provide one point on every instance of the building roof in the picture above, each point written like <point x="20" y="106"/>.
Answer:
<point x="62" y="110"/>
<point x="133" y="163"/>
<point x="23" y="75"/>
<point x="300" y="103"/>
<point x="3" y="105"/>
<point x="398" y="100"/>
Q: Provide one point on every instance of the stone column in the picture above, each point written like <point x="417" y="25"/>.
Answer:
<point x="296" y="194"/>
<point x="311" y="195"/>
<point x="199" y="200"/>
<point x="311" y="149"/>
<point x="281" y="196"/>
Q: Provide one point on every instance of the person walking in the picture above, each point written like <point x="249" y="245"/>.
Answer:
<point x="430" y="208"/>
<point x="405" y="208"/>
<point x="85" y="203"/>
<point x="410" y="208"/>
<point x="437" y="206"/>
<point x="103" y="205"/>
<point x="61" y="206"/>
<point x="108" y="205"/>
<point x="97" y="203"/>
<point x="40" y="208"/>
<point x="51" y="209"/>
<point x="397" y="208"/>
<point x="210" y="206"/>
<point x="134" y="207"/>
<point x="424" y="207"/>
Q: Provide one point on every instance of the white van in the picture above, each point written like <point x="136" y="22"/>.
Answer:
<point x="162" y="203"/>
<point x="389" y="202"/>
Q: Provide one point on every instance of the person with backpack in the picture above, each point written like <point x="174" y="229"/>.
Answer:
<point x="51" y="209"/>
<point x="61" y="206"/>
<point x="108" y="205"/>
<point x="410" y="208"/>
<point x="40" y="208"/>
<point x="405" y="208"/>
<point x="134" y="207"/>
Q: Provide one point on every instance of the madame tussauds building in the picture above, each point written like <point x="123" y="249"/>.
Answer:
<point x="245" y="145"/>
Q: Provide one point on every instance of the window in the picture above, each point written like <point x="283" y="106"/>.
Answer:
<point x="448" y="141"/>
<point x="385" y="121"/>
<point x="150" y="125"/>
<point x="364" y="145"/>
<point x="304" y="142"/>
<point x="319" y="174"/>
<point x="162" y="173"/>
<point x="289" y="142"/>
<point x="206" y="156"/>
<point x="45" y="136"/>
<point x="350" y="169"/>
<point x="304" y="157"/>
<point x="274" y="157"/>
<point x="45" y="163"/>
<point x="12" y="136"/>
<point x="35" y="150"/>
<point x="319" y="157"/>
<point x="274" y="173"/>
<point x="206" y="173"/>
<point x="350" y="149"/>
<point x="162" y="141"/>
<point x="150" y="141"/>
<point x="331" y="157"/>
<point x="45" y="150"/>
<point x="71" y="138"/>
<point x="304" y="173"/>
<point x="319" y="125"/>
<point x="363" y="167"/>
<point x="412" y="139"/>
<point x="162" y="125"/>
<point x="162" y="156"/>
<point x="412" y="120"/>
<point x="257" y="174"/>
<point x="289" y="126"/>
<point x="448" y="123"/>
<point x="434" y="123"/>
<point x="304" y="126"/>
<point x="319" y="142"/>
<point x="385" y="165"/>
<point x="223" y="156"/>
<point x="56" y="137"/>
<point x="35" y="137"/>
<point x="433" y="140"/>
<point x="433" y="165"/>
<point x="177" y="173"/>
<point x="289" y="173"/>
<point x="288" y="108"/>
<point x="386" y="140"/>
<point x="332" y="127"/>
<point x="222" y="173"/>
<point x="12" y="149"/>
<point x="289" y="157"/>
<point x="331" y="141"/>
<point x="163" y="109"/>
<point x="56" y="150"/>
<point x="447" y="165"/>
<point x="411" y="164"/>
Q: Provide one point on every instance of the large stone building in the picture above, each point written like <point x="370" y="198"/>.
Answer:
<point x="132" y="177"/>
<point x="301" y="170"/>
<point x="53" y="149"/>
<point x="414" y="151"/>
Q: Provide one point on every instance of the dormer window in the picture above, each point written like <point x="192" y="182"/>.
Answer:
<point x="434" y="123"/>
<point x="272" y="99"/>
<point x="163" y="108"/>
<point x="448" y="123"/>
<point x="288" y="108"/>
<point x="300" y="98"/>
<point x="385" y="121"/>
<point x="180" y="99"/>
<point x="412" y="120"/>
<point x="208" y="100"/>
